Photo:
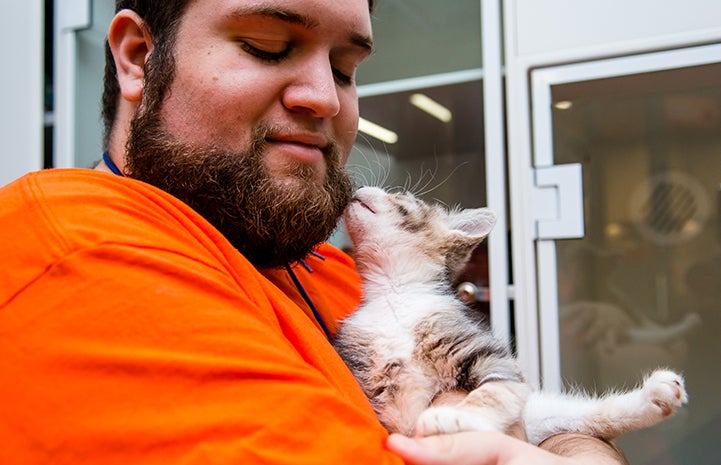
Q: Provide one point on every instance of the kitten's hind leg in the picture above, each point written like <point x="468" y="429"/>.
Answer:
<point x="609" y="416"/>
<point x="494" y="406"/>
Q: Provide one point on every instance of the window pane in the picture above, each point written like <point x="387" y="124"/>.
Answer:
<point x="422" y="37"/>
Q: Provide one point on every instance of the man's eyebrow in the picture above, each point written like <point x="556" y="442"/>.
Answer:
<point x="293" y="17"/>
<point x="273" y="12"/>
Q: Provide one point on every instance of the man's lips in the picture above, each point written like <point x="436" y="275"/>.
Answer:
<point x="308" y="148"/>
<point x="312" y="140"/>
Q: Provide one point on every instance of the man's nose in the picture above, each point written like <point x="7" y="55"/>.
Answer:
<point x="314" y="89"/>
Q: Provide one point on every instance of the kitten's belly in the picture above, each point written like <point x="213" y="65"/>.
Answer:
<point x="390" y="334"/>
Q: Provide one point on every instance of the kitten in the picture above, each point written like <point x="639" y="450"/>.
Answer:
<point x="412" y="339"/>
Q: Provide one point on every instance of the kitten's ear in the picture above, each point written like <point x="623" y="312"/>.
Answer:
<point x="469" y="227"/>
<point x="476" y="223"/>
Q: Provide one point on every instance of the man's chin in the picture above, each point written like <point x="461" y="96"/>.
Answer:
<point x="294" y="181"/>
<point x="273" y="208"/>
<point x="295" y="175"/>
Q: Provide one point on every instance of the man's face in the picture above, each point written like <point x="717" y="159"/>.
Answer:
<point x="262" y="110"/>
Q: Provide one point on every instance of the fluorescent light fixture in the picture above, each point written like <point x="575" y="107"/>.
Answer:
<point x="379" y="132"/>
<point x="563" y="105"/>
<point x="431" y="107"/>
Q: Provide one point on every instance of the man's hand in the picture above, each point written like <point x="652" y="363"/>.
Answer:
<point x="489" y="448"/>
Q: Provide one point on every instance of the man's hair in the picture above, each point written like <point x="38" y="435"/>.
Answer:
<point x="162" y="18"/>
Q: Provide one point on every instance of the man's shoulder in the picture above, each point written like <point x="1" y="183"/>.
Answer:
<point x="66" y="185"/>
<point x="52" y="217"/>
<point x="82" y="208"/>
<point x="75" y="183"/>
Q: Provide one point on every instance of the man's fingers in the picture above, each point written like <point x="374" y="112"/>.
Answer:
<point x="446" y="449"/>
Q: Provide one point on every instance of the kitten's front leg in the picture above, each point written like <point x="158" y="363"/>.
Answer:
<point x="494" y="406"/>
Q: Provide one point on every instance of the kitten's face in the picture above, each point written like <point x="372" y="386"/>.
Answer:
<point x="379" y="222"/>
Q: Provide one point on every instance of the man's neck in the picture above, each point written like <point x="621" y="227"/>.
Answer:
<point x="103" y="167"/>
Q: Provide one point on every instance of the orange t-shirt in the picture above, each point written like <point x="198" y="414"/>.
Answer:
<point x="132" y="332"/>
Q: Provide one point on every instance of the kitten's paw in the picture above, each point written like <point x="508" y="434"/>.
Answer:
<point x="445" y="420"/>
<point x="665" y="389"/>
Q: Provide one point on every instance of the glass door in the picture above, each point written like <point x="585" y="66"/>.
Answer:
<point x="642" y="287"/>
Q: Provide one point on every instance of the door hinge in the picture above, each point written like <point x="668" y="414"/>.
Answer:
<point x="73" y="15"/>
<point x="558" y="202"/>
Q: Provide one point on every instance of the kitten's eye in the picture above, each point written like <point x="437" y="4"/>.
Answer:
<point x="407" y="204"/>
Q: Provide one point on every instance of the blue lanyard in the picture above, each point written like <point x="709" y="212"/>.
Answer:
<point x="111" y="165"/>
<point x="306" y="297"/>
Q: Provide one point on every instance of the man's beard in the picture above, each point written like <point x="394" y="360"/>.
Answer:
<point x="270" y="223"/>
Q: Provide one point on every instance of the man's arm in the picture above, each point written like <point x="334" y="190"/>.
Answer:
<point x="583" y="447"/>
<point x="482" y="448"/>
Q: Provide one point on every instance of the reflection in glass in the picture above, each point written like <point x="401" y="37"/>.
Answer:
<point x="440" y="159"/>
<point x="643" y="287"/>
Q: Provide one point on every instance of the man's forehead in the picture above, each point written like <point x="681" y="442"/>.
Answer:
<point x="308" y="14"/>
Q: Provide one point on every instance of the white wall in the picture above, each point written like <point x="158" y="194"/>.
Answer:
<point x="21" y="83"/>
<point x="89" y="84"/>
<point x="584" y="28"/>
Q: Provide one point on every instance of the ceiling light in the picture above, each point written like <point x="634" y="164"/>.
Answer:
<point x="563" y="105"/>
<point x="431" y="107"/>
<point x="379" y="132"/>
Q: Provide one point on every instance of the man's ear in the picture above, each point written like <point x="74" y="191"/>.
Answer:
<point x="130" y="42"/>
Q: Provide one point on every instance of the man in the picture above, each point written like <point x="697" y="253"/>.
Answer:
<point x="166" y="307"/>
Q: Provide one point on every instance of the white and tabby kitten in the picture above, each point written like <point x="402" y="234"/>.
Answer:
<point x="412" y="339"/>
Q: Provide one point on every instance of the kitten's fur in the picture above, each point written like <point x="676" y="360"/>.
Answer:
<point x="412" y="338"/>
